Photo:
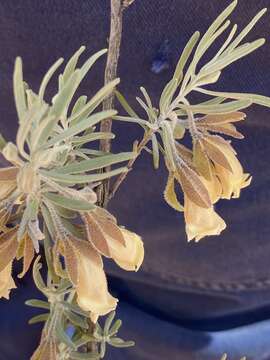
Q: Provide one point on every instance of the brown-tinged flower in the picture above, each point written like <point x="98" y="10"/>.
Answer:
<point x="83" y="259"/>
<point x="201" y="222"/>
<point x="232" y="181"/>
<point x="130" y="256"/>
<point x="6" y="281"/>
<point x="123" y="246"/>
<point x="212" y="149"/>
<point x="85" y="268"/>
<point x="10" y="248"/>
<point x="185" y="174"/>
<point x="199" y="196"/>
<point x="8" y="181"/>
<point x="222" y="123"/>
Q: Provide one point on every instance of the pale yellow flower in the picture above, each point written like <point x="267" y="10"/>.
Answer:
<point x="109" y="239"/>
<point x="201" y="222"/>
<point x="6" y="281"/>
<point x="85" y="269"/>
<point x="92" y="288"/>
<point x="129" y="257"/>
<point x="83" y="260"/>
<point x="232" y="181"/>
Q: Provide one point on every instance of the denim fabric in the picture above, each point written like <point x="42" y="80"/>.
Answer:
<point x="220" y="282"/>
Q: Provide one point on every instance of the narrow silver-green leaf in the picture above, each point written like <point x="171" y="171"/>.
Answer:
<point x="168" y="141"/>
<point x="134" y="120"/>
<point x="150" y="111"/>
<point x="155" y="151"/>
<point x="219" y="109"/>
<point x="119" y="343"/>
<point x="92" y="137"/>
<point x="225" y="44"/>
<point x="33" y="118"/>
<point x="38" y="303"/>
<point x="48" y="77"/>
<point x="48" y="220"/>
<point x="253" y="98"/>
<point x="81" y="126"/>
<point x="97" y="163"/>
<point x="63" y="98"/>
<point x="108" y="322"/>
<point x="147" y="97"/>
<point x="235" y="55"/>
<point x="167" y="95"/>
<point x="19" y="90"/>
<point x="39" y="318"/>
<point x="81" y="179"/>
<point x="116" y="326"/>
<point x="208" y="79"/>
<point x="215" y="26"/>
<point x="72" y="63"/>
<point x="245" y="31"/>
<point x="178" y="74"/>
<point x="69" y="203"/>
<point x="79" y="104"/>
<point x="122" y="100"/>
<point x="94" y="102"/>
<point x="91" y="61"/>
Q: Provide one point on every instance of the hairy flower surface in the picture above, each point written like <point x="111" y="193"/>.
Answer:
<point x="83" y="259"/>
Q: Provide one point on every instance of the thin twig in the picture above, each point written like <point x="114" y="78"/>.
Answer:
<point x="117" y="8"/>
<point x="122" y="177"/>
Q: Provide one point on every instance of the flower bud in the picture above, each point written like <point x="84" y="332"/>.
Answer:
<point x="10" y="152"/>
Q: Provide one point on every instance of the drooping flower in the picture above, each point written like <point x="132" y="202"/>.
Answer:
<point x="232" y="181"/>
<point x="123" y="246"/>
<point x="130" y="256"/>
<point x="83" y="259"/>
<point x="85" y="268"/>
<point x="201" y="222"/>
<point x="6" y="281"/>
<point x="10" y="249"/>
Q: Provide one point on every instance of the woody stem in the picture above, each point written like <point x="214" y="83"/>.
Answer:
<point x="117" y="9"/>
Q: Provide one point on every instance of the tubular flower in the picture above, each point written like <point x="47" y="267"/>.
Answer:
<point x="129" y="257"/>
<point x="6" y="281"/>
<point x="89" y="278"/>
<point x="201" y="222"/>
<point x="232" y="181"/>
<point x="83" y="259"/>
<point x="226" y="166"/>
<point x="123" y="246"/>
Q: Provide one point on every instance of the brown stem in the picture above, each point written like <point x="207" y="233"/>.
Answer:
<point x="122" y="177"/>
<point x="117" y="8"/>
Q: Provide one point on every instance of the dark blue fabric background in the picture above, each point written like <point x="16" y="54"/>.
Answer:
<point x="220" y="283"/>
